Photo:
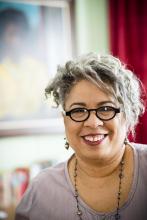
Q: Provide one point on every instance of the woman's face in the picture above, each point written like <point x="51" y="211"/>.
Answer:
<point x="94" y="138"/>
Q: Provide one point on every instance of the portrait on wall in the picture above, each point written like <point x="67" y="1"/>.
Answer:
<point x="35" y="37"/>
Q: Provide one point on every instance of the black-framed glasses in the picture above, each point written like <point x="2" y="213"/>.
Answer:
<point x="104" y="113"/>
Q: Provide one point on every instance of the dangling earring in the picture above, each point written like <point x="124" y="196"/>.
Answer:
<point x="126" y="141"/>
<point x="66" y="145"/>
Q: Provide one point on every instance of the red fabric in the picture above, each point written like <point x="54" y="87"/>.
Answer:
<point x="128" y="36"/>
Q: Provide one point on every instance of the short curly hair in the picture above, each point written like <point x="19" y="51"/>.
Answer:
<point x="110" y="75"/>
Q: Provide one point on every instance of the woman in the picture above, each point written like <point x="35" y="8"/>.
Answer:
<point x="106" y="177"/>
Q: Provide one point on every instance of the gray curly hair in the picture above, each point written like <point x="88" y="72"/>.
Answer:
<point x="109" y="74"/>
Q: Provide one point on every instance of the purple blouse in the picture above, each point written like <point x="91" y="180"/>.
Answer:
<point x="50" y="196"/>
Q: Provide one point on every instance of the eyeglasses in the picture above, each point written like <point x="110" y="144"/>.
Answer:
<point x="104" y="113"/>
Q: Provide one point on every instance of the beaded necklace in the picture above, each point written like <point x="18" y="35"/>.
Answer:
<point x="79" y="212"/>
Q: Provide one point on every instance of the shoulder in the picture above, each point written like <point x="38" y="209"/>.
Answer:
<point x="141" y="150"/>
<point x="47" y="181"/>
<point x="50" y="176"/>
<point x="44" y="188"/>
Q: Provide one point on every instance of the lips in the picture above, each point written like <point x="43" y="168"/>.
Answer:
<point x="94" y="139"/>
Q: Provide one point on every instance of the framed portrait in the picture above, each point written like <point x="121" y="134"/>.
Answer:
<point x="35" y="37"/>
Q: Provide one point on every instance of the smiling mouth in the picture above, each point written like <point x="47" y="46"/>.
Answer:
<point x="94" y="139"/>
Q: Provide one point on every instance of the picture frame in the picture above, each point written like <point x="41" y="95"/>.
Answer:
<point x="28" y="60"/>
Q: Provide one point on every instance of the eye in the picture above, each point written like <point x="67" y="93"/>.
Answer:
<point x="78" y="113"/>
<point x="106" y="109"/>
<point x="78" y="110"/>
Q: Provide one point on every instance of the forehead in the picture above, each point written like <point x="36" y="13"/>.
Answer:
<point x="89" y="93"/>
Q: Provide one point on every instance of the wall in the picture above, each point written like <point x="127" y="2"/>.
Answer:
<point x="26" y="150"/>
<point x="92" y="26"/>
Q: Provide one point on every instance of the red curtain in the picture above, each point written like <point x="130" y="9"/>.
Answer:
<point x="128" y="41"/>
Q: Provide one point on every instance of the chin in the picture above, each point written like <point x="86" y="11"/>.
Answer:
<point x="96" y="154"/>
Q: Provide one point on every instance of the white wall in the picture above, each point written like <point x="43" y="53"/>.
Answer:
<point x="25" y="150"/>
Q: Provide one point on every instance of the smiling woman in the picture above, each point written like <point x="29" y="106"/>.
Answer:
<point x="94" y="137"/>
<point x="101" y="103"/>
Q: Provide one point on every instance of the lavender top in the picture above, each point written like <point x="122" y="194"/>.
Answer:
<point x="50" y="196"/>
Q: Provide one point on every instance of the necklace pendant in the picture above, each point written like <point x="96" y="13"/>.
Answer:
<point x="79" y="212"/>
<point x="76" y="194"/>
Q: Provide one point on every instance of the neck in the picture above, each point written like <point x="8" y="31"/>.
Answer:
<point x="100" y="168"/>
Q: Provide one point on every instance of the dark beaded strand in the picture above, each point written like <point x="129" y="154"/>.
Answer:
<point x="79" y="212"/>
<point x="117" y="216"/>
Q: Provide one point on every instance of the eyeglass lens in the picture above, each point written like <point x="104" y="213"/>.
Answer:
<point x="103" y="113"/>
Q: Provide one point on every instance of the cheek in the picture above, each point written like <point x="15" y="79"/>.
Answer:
<point x="67" y="124"/>
<point x="70" y="127"/>
<point x="72" y="130"/>
<point x="120" y="130"/>
<point x="117" y="128"/>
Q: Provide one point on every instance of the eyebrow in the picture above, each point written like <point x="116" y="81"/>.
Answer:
<point x="99" y="104"/>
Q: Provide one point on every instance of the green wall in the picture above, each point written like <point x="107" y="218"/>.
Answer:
<point x="91" y="26"/>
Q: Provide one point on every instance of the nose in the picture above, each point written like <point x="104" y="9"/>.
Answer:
<point x="93" y="121"/>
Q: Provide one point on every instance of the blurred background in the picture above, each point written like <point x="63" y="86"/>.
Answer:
<point x="35" y="37"/>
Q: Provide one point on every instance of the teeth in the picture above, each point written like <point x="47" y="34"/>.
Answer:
<point x="94" y="138"/>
